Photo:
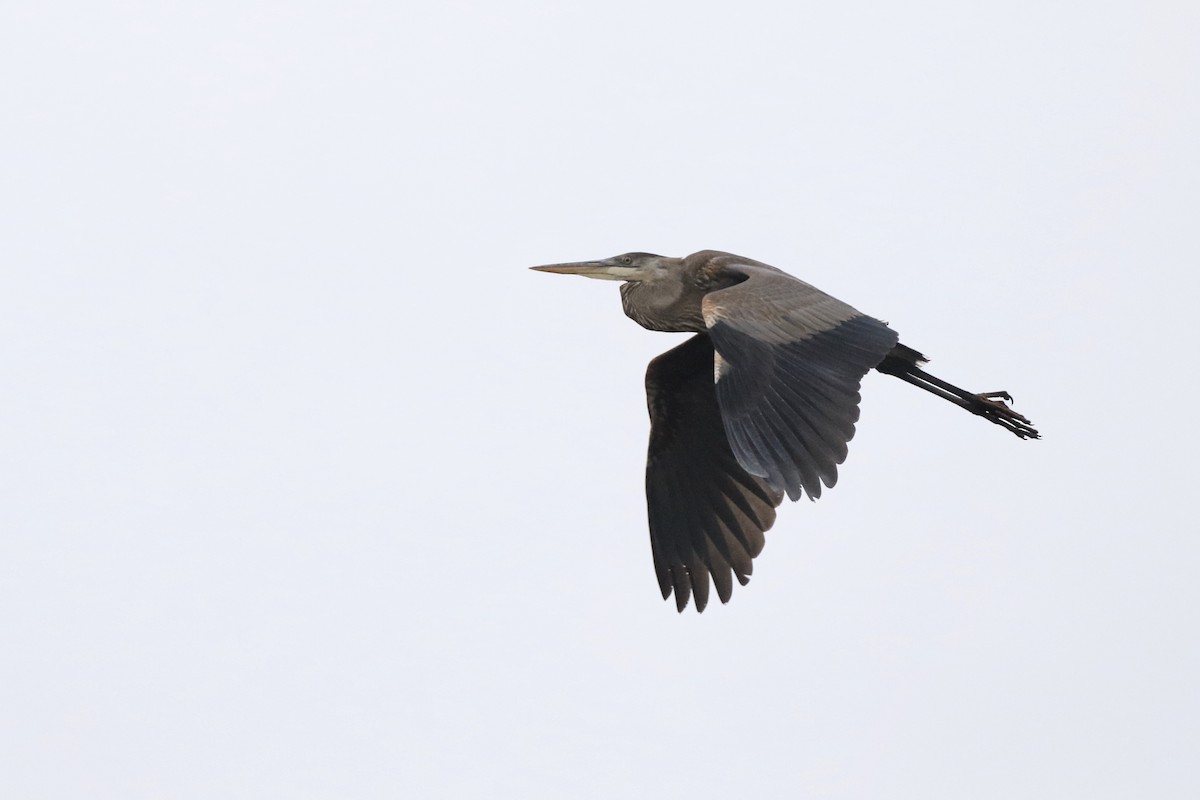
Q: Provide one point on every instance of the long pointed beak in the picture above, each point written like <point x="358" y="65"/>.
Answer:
<point x="604" y="270"/>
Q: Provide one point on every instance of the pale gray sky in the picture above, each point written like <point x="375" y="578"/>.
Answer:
<point x="311" y="490"/>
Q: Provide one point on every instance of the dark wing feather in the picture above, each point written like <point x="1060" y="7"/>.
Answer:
<point x="790" y="361"/>
<point x="707" y="514"/>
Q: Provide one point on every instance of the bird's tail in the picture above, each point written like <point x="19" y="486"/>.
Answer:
<point x="902" y="362"/>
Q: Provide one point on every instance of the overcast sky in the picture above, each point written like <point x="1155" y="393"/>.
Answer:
<point x="309" y="489"/>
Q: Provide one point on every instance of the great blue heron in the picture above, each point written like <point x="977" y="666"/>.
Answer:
<point x="761" y="402"/>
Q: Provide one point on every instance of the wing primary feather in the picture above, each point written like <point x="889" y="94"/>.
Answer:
<point x="707" y="513"/>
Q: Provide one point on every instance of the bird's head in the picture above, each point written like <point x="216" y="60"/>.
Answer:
<point x="627" y="267"/>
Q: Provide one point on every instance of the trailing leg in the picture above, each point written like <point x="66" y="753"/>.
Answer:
<point x="902" y="362"/>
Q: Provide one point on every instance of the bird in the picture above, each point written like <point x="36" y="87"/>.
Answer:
<point x="759" y="404"/>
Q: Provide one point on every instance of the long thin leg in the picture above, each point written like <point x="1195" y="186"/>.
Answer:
<point x="992" y="406"/>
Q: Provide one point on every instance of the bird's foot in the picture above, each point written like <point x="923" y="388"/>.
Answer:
<point x="995" y="406"/>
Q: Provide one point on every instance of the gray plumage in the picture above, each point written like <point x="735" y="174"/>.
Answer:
<point x="761" y="403"/>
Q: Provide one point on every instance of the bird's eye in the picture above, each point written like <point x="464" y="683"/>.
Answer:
<point x="626" y="260"/>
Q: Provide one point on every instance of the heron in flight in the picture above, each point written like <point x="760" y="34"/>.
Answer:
<point x="761" y="402"/>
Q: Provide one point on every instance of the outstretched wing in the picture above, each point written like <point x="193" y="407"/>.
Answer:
<point x="790" y="360"/>
<point x="707" y="514"/>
